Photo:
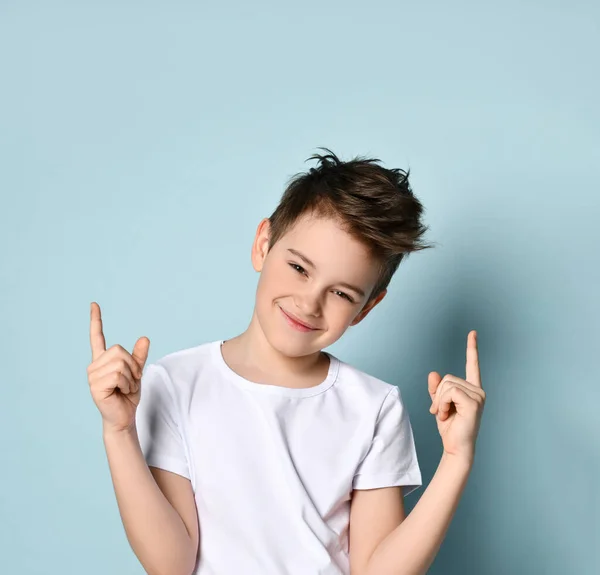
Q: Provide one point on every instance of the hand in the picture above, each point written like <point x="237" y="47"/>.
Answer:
<point x="115" y="376"/>
<point x="459" y="405"/>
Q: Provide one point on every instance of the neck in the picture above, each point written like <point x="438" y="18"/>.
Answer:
<point x="253" y="352"/>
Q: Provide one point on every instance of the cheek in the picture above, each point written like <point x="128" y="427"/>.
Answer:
<point x="273" y="284"/>
<point x="277" y="282"/>
<point x="277" y="279"/>
<point x="339" y="313"/>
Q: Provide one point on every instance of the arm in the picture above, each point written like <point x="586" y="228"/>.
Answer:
<point x="412" y="546"/>
<point x="164" y="539"/>
<point x="458" y="403"/>
<point x="374" y="514"/>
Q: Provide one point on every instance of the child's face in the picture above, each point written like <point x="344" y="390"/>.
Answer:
<point x="316" y="295"/>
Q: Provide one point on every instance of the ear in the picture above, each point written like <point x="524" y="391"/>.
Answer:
<point x="363" y="313"/>
<point x="260" y="246"/>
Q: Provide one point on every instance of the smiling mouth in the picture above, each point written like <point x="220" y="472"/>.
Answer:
<point x="292" y="318"/>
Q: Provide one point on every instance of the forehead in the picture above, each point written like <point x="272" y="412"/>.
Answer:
<point x="324" y="241"/>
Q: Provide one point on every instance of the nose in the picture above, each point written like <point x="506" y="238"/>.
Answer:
<point x="308" y="303"/>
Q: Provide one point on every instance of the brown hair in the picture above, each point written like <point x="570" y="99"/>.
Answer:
<point x="373" y="204"/>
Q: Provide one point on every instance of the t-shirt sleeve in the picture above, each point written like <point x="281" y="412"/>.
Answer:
<point x="158" y="423"/>
<point x="392" y="457"/>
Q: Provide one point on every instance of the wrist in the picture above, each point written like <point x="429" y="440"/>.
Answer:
<point x="464" y="462"/>
<point x="108" y="431"/>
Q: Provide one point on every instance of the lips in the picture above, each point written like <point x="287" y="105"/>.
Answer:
<point x="297" y="320"/>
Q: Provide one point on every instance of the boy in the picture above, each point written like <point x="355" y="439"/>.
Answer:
<point x="262" y="454"/>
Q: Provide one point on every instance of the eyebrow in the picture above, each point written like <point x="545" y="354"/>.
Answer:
<point x="309" y="263"/>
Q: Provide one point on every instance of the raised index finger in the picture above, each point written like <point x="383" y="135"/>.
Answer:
<point x="473" y="374"/>
<point x="97" y="340"/>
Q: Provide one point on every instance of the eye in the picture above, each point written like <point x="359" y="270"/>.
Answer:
<point x="345" y="296"/>
<point x="300" y="270"/>
<point x="294" y="266"/>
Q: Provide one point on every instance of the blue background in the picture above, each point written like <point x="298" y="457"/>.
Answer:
<point x="142" y="142"/>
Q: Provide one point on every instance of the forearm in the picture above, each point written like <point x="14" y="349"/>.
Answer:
<point x="153" y="527"/>
<point x="411" y="548"/>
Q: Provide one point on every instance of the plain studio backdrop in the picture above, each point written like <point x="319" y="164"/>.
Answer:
<point x="142" y="142"/>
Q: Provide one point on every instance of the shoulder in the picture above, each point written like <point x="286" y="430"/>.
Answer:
<point x="365" y="388"/>
<point x="181" y="368"/>
<point x="187" y="358"/>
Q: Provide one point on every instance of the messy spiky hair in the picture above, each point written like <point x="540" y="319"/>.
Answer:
<point x="374" y="205"/>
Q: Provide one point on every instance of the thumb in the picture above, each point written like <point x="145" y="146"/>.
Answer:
<point x="140" y="351"/>
<point x="433" y="380"/>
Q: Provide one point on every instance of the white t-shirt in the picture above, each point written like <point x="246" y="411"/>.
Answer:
<point x="272" y="467"/>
